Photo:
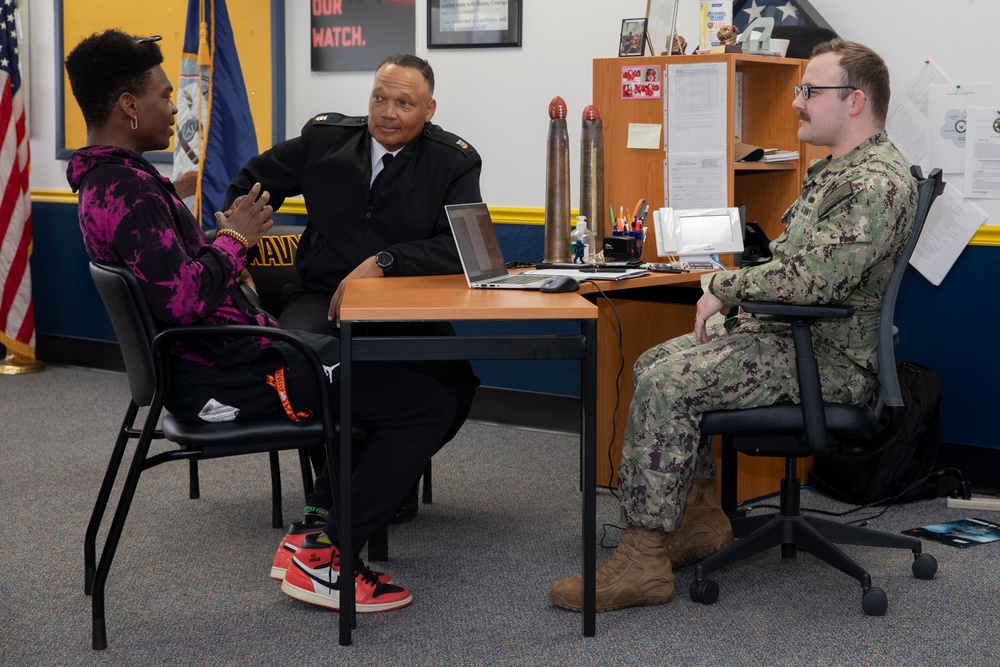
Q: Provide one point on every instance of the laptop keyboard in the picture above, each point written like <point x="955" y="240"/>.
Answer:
<point x="517" y="279"/>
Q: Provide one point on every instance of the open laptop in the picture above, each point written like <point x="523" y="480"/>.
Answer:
<point x="482" y="260"/>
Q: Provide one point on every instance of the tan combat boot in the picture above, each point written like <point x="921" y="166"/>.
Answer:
<point x="637" y="574"/>
<point x="704" y="528"/>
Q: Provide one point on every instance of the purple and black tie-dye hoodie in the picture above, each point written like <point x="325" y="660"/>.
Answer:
<point x="131" y="215"/>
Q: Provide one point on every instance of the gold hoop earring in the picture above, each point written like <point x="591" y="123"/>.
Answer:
<point x="135" y="122"/>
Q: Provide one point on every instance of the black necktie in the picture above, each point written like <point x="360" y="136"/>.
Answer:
<point x="386" y="161"/>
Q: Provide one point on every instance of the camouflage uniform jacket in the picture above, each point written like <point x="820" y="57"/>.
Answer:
<point x="841" y="241"/>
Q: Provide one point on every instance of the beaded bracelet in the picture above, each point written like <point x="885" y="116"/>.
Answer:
<point x="233" y="234"/>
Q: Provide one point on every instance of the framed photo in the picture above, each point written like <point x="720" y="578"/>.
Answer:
<point x="456" y="24"/>
<point x="633" y="39"/>
<point x="641" y="82"/>
<point x="661" y="25"/>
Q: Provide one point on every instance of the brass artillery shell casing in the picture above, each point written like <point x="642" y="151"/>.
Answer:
<point x="592" y="171"/>
<point x="557" y="210"/>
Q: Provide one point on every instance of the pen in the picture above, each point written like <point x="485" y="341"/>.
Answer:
<point x="603" y="269"/>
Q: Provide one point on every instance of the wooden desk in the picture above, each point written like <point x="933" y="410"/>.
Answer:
<point x="449" y="298"/>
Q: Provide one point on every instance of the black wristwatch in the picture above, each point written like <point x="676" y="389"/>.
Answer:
<point x="386" y="262"/>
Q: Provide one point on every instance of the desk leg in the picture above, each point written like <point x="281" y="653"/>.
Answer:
<point x="588" y="431"/>
<point x="347" y="608"/>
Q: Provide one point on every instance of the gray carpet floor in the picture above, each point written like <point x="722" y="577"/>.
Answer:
<point x="189" y="585"/>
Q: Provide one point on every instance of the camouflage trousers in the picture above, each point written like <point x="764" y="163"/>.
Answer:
<point x="676" y="381"/>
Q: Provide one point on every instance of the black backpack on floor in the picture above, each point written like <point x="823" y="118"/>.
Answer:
<point x="898" y="468"/>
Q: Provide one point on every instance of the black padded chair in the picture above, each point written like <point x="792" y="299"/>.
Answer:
<point x="793" y="430"/>
<point x="272" y="264"/>
<point x="144" y="344"/>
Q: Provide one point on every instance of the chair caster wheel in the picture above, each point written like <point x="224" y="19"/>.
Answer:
<point x="924" y="566"/>
<point x="705" y="591"/>
<point x="874" y="602"/>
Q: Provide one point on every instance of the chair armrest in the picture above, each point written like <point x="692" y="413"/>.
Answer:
<point x="796" y="310"/>
<point x="807" y="370"/>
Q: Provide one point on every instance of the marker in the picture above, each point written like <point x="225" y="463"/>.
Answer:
<point x="638" y="207"/>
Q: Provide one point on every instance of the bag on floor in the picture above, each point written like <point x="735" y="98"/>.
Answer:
<point x="898" y="468"/>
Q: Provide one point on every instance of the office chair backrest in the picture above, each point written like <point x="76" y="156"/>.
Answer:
<point x="272" y="265"/>
<point x="134" y="325"/>
<point x="927" y="190"/>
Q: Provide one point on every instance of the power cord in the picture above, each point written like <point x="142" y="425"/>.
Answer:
<point x="963" y="489"/>
<point x="618" y="377"/>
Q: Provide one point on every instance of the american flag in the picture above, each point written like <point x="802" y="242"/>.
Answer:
<point x="784" y="13"/>
<point x="17" y="316"/>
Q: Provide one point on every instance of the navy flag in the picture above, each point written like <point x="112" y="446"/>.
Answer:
<point x="215" y="131"/>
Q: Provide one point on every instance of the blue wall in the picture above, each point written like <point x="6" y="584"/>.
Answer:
<point x="67" y="304"/>
<point x="950" y="328"/>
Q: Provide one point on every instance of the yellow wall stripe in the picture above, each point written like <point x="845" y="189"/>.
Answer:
<point x="987" y="235"/>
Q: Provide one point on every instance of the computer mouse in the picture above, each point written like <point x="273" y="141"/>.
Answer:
<point x="560" y="284"/>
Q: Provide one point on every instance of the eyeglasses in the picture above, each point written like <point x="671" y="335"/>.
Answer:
<point x="806" y="91"/>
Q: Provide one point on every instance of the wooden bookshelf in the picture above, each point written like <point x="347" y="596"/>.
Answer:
<point x="765" y="189"/>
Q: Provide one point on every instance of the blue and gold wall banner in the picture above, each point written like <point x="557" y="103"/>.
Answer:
<point x="357" y="35"/>
<point x="215" y="129"/>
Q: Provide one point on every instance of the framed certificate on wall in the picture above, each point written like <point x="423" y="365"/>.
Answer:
<point x="473" y="23"/>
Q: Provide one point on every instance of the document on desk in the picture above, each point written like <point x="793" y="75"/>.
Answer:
<point x="951" y="222"/>
<point x="695" y="106"/>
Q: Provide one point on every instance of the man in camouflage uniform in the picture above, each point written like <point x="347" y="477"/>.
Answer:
<point x="841" y="241"/>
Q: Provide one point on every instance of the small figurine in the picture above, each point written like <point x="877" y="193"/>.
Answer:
<point x="679" y="47"/>
<point x="727" y="34"/>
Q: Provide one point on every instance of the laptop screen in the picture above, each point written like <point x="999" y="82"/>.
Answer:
<point x="476" y="239"/>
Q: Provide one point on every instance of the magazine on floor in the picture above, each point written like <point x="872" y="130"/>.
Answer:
<point x="963" y="533"/>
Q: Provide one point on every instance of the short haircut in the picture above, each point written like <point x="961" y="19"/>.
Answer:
<point x="863" y="69"/>
<point x="105" y="65"/>
<point x="413" y="62"/>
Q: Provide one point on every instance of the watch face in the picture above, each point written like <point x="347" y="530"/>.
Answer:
<point x="384" y="259"/>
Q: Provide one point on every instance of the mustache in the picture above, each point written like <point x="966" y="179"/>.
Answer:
<point x="802" y="115"/>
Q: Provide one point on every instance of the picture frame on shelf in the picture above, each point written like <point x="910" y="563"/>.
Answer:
<point x="473" y="24"/>
<point x="633" y="38"/>
<point x="661" y="25"/>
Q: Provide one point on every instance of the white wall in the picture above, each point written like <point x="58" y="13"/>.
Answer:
<point x="497" y="99"/>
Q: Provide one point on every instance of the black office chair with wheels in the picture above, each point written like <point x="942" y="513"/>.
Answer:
<point x="144" y="344"/>
<point x="793" y="430"/>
